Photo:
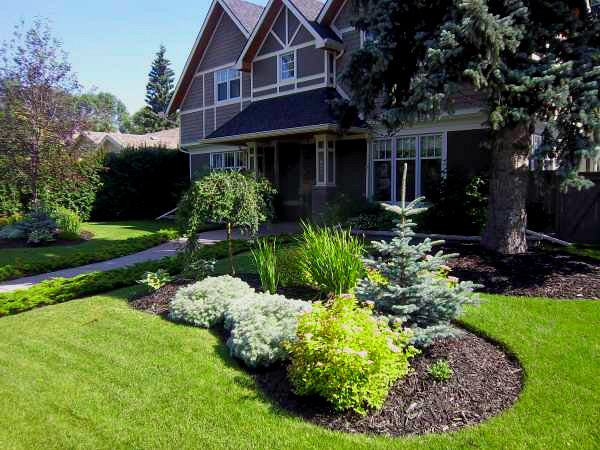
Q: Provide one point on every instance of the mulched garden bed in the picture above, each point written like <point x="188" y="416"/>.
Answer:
<point x="486" y="381"/>
<point x="19" y="243"/>
<point x="537" y="273"/>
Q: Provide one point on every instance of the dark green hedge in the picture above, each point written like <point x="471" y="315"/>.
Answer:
<point x="141" y="184"/>
<point x="115" y="250"/>
<point x="64" y="289"/>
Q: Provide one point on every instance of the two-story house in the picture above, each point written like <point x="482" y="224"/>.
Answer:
<point x="255" y="94"/>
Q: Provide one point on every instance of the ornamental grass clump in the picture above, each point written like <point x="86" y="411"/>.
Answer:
<point x="260" y="326"/>
<point x="345" y="355"/>
<point x="265" y="258"/>
<point x="332" y="258"/>
<point x="204" y="303"/>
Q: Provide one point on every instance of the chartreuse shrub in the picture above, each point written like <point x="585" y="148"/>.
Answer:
<point x="345" y="355"/>
<point x="153" y="281"/>
<point x="60" y="290"/>
<point x="117" y="249"/>
<point x="410" y="285"/>
<point x="440" y="370"/>
<point x="260" y="326"/>
<point x="204" y="303"/>
<point x="332" y="258"/>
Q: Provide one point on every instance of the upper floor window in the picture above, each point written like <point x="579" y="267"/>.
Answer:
<point x="287" y="66"/>
<point x="228" y="84"/>
<point x="234" y="160"/>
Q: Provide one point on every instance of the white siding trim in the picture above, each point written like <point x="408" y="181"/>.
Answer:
<point x="284" y="50"/>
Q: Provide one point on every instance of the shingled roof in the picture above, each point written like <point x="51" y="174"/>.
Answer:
<point x="304" y="109"/>
<point x="246" y="12"/>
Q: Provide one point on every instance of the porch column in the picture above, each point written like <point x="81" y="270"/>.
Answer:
<point x="324" y="189"/>
<point x="252" y="161"/>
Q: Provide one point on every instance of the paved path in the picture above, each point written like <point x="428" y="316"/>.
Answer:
<point x="167" y="249"/>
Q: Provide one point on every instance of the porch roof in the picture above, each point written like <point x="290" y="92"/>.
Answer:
<point x="281" y="115"/>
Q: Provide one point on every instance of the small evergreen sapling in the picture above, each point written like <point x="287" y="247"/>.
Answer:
<point x="415" y="288"/>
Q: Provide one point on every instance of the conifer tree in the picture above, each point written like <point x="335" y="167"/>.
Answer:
<point x="159" y="89"/>
<point x="526" y="61"/>
<point x="415" y="289"/>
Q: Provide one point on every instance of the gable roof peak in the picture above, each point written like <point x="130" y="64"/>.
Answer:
<point x="246" y="12"/>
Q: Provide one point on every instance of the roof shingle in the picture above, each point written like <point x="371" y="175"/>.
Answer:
<point x="246" y="12"/>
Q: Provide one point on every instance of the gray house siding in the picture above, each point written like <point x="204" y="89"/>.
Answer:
<point x="293" y="24"/>
<point x="279" y="25"/>
<point x="194" y="96"/>
<point x="209" y="89"/>
<point x="209" y="121"/>
<point x="191" y="127"/>
<point x="344" y="18"/>
<point x="265" y="72"/>
<point x="304" y="84"/>
<point x="311" y="61"/>
<point x="270" y="45"/>
<point x="226" y="45"/>
<point x="246" y="85"/>
<point x="351" y="44"/>
<point x="302" y="37"/>
<point x="225" y="113"/>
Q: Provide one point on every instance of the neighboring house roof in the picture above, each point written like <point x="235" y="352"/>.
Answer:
<point x="167" y="138"/>
<point x="294" y="111"/>
<point x="95" y="136"/>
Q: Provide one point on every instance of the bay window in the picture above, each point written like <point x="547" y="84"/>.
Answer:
<point x="230" y="160"/>
<point x="424" y="157"/>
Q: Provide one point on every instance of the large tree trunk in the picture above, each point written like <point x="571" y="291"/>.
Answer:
<point x="507" y="218"/>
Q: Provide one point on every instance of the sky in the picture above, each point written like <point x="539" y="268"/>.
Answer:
<point x="111" y="43"/>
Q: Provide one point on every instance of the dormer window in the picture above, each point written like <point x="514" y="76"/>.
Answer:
<point x="228" y="85"/>
<point x="287" y="66"/>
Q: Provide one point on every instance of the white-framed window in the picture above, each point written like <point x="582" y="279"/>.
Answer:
<point x="230" y="160"/>
<point x="547" y="163"/>
<point x="325" y="148"/>
<point x="227" y="85"/>
<point x="287" y="66"/>
<point x="425" y="159"/>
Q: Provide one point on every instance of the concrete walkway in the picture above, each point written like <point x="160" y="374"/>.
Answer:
<point x="152" y="254"/>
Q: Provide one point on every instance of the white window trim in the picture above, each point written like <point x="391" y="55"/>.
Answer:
<point x="325" y="140"/>
<point x="394" y="161"/>
<point x="229" y="99"/>
<point x="222" y="153"/>
<point x="280" y="80"/>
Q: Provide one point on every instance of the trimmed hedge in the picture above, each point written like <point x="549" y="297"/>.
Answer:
<point x="60" y="290"/>
<point x="115" y="250"/>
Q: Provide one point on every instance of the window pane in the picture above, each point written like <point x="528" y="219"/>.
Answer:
<point x="229" y="160"/>
<point x="431" y="146"/>
<point x="217" y="160"/>
<point x="233" y="74"/>
<point x="410" y="180"/>
<point x="234" y="88"/>
<point x="321" y="167"/>
<point x="431" y="175"/>
<point x="330" y="167"/>
<point x="407" y="148"/>
<point x="222" y="91"/>
<point x="382" y="181"/>
<point x="222" y="75"/>
<point x="287" y="66"/>
<point x="382" y="149"/>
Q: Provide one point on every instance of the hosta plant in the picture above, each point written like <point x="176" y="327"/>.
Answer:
<point x="204" y="303"/>
<point x="345" y="355"/>
<point x="260" y="326"/>
<point x="153" y="281"/>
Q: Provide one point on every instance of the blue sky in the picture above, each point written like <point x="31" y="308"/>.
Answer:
<point x="112" y="43"/>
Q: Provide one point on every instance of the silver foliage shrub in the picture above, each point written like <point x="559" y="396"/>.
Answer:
<point x="204" y="303"/>
<point x="260" y="325"/>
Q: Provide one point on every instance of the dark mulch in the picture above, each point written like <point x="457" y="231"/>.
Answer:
<point x="486" y="381"/>
<point x="297" y="292"/>
<point x="21" y="243"/>
<point x="537" y="273"/>
<point x="157" y="302"/>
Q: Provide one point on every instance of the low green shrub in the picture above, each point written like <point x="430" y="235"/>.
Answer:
<point x="440" y="370"/>
<point x="40" y="235"/>
<point x="289" y="266"/>
<point x="37" y="226"/>
<point x="266" y="260"/>
<point x="115" y="250"/>
<point x="204" y="303"/>
<point x="332" y="258"/>
<point x="195" y="266"/>
<point x="343" y="354"/>
<point x="260" y="325"/>
<point x="60" y="290"/>
<point x="68" y="221"/>
<point x="153" y="281"/>
<point x="10" y="220"/>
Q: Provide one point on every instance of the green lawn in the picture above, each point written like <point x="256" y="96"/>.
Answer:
<point x="94" y="374"/>
<point x="587" y="250"/>
<point x="105" y="235"/>
<point x="244" y="263"/>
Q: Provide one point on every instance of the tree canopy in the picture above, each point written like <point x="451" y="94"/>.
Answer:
<point x="106" y="112"/>
<point x="526" y="61"/>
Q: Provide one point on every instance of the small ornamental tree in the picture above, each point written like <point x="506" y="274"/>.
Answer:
<point x="411" y="285"/>
<point x="230" y="197"/>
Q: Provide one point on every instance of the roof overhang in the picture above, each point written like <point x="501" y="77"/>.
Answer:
<point x="242" y="139"/>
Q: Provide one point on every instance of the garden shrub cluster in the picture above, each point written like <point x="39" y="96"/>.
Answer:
<point x="140" y="184"/>
<point x="205" y="303"/>
<point x="68" y="222"/>
<point x="35" y="227"/>
<point x="61" y="290"/>
<point x="115" y="250"/>
<point x="260" y="326"/>
<point x="345" y="355"/>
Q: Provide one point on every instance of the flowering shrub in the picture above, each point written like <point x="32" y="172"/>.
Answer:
<point x="204" y="303"/>
<point x="344" y="354"/>
<point x="260" y="325"/>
